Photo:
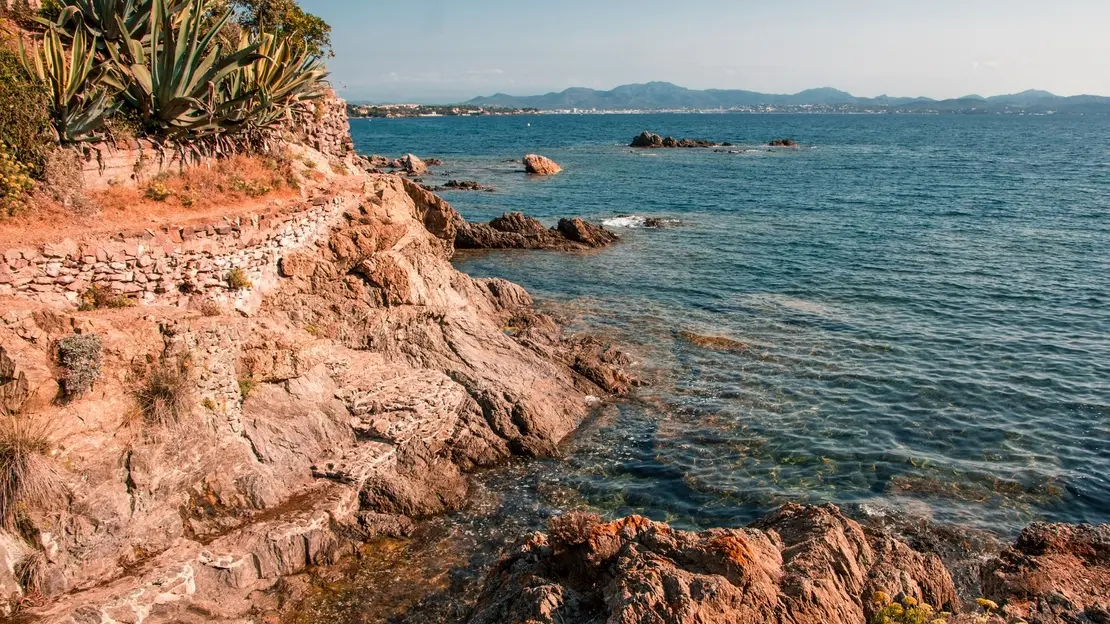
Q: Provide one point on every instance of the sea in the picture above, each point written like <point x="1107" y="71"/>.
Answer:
<point x="908" y="315"/>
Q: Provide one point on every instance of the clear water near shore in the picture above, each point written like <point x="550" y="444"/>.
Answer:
<point x="916" y="309"/>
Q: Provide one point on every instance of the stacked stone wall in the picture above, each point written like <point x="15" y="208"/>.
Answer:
<point x="172" y="264"/>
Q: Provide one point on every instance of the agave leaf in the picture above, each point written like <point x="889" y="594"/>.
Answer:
<point x="81" y="99"/>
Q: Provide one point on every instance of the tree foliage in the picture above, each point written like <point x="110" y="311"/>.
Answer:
<point x="285" y="19"/>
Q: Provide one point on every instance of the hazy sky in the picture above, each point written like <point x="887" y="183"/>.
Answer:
<point x="447" y="51"/>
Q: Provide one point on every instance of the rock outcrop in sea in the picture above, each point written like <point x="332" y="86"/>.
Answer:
<point x="540" y="165"/>
<point x="515" y="230"/>
<point x="652" y="140"/>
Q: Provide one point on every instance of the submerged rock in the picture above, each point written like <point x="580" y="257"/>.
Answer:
<point x="540" y="165"/>
<point x="464" y="185"/>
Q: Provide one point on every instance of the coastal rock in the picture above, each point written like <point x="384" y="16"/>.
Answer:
<point x="647" y="139"/>
<point x="411" y="165"/>
<point x="1053" y="573"/>
<point x="515" y="230"/>
<point x="800" y="565"/>
<point x="463" y="185"/>
<point x="652" y="140"/>
<point x="540" y="165"/>
<point x="783" y="143"/>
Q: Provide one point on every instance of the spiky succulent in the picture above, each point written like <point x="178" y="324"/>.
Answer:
<point x="172" y="78"/>
<point x="81" y="99"/>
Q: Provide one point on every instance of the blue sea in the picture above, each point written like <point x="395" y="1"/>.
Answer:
<point x="915" y="310"/>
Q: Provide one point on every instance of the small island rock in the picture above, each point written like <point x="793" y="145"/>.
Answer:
<point x="540" y="165"/>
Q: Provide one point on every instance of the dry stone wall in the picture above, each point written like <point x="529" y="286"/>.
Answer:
<point x="322" y="126"/>
<point x="325" y="127"/>
<point x="171" y="265"/>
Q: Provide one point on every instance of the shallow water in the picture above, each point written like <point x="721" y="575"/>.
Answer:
<point x="916" y="308"/>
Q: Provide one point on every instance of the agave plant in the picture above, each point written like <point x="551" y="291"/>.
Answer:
<point x="80" y="100"/>
<point x="171" y="78"/>
<point x="107" y="20"/>
<point x="268" y="89"/>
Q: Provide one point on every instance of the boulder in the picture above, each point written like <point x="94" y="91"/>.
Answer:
<point x="411" y="165"/>
<point x="647" y="139"/>
<point x="1053" y="573"/>
<point x="540" y="165"/>
<point x="783" y="143"/>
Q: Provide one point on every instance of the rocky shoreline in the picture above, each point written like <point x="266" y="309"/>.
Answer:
<point x="354" y="398"/>
<point x="798" y="565"/>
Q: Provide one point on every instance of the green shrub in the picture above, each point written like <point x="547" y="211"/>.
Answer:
<point x="158" y="191"/>
<point x="80" y="357"/>
<point x="15" y="182"/>
<point x="246" y="386"/>
<point x="24" y="114"/>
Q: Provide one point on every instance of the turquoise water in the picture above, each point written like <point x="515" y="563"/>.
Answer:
<point x="921" y="306"/>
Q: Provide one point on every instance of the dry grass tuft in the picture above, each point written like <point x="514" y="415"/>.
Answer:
<point x="28" y="478"/>
<point x="573" y="529"/>
<point x="237" y="280"/>
<point x="99" y="298"/>
<point x="30" y="570"/>
<point x="165" y="395"/>
<point x="218" y="183"/>
<point x="210" y="307"/>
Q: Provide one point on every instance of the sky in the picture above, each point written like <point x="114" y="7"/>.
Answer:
<point x="440" y="51"/>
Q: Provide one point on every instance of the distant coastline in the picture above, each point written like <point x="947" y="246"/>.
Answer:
<point x="667" y="97"/>
<point x="391" y="111"/>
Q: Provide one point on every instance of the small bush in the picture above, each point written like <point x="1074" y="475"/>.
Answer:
<point x="211" y="307"/>
<point x="246" y="386"/>
<point x="80" y="357"/>
<point x="24" y="114"/>
<point x="158" y="191"/>
<point x="572" y="529"/>
<point x="237" y="280"/>
<point x="27" y="475"/>
<point x="98" y="297"/>
<point x="15" y="182"/>
<point x="907" y="610"/>
<point x="165" y="395"/>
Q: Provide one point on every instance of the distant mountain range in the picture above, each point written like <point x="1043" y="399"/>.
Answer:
<point x="667" y="96"/>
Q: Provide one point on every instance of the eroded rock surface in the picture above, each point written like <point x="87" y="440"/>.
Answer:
<point x="799" y="565"/>
<point x="1053" y="573"/>
<point x="373" y="377"/>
